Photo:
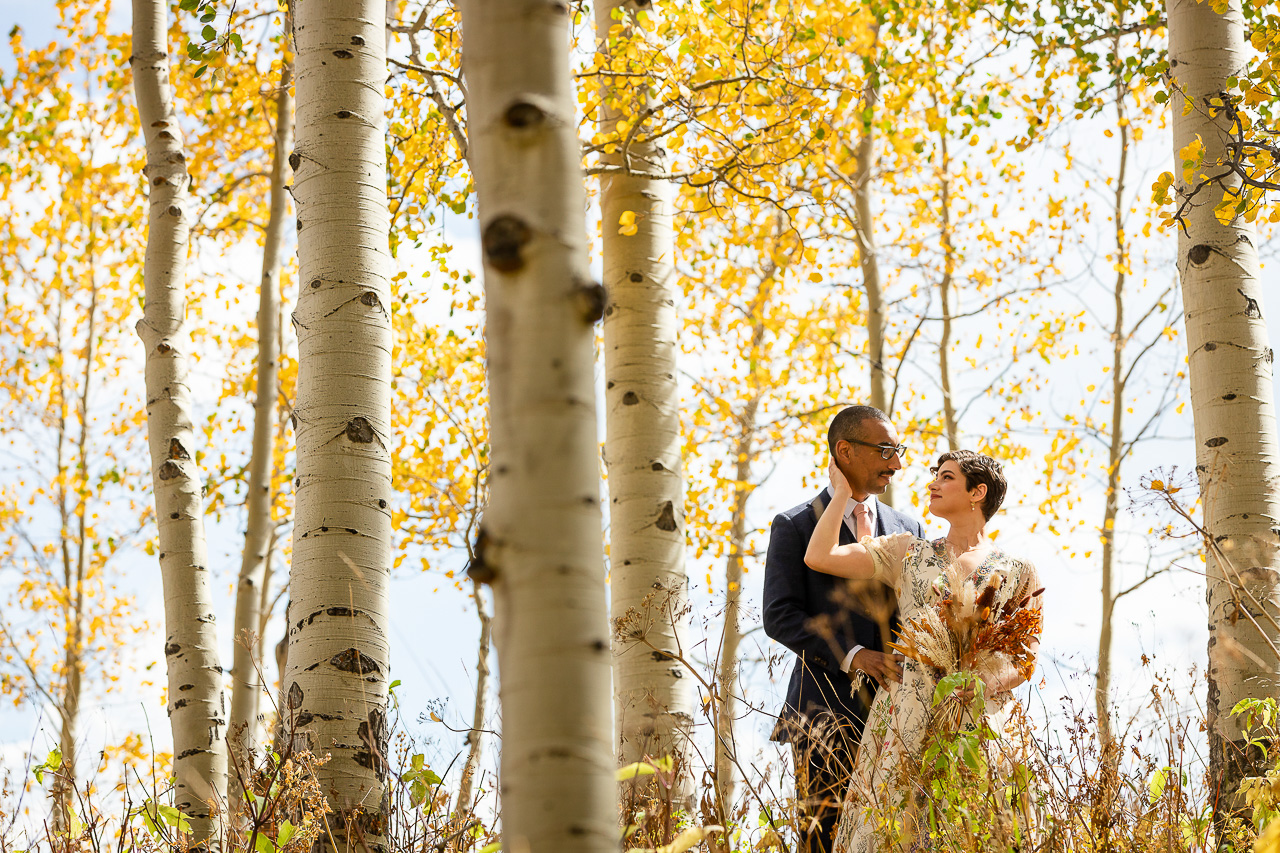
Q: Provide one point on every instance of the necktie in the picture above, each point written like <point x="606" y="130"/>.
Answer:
<point x="862" y="520"/>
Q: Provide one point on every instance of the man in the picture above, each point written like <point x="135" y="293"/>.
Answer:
<point x="833" y="628"/>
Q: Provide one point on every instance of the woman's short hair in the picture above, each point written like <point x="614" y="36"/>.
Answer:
<point x="979" y="469"/>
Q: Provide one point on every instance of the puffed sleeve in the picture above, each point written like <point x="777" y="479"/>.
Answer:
<point x="888" y="554"/>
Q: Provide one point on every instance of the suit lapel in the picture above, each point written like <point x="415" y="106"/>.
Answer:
<point x="819" y="505"/>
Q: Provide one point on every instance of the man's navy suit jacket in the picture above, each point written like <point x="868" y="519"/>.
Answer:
<point x="811" y="614"/>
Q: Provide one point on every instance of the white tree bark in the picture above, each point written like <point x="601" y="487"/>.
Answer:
<point x="337" y="668"/>
<point x="245" y="729"/>
<point x="540" y="541"/>
<point x="726" y="762"/>
<point x="1231" y="367"/>
<point x="197" y="706"/>
<point x="653" y="696"/>
<point x="475" y="737"/>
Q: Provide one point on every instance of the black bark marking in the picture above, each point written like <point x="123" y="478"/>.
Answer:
<point x="523" y="114"/>
<point x="1216" y="442"/>
<point x="659" y="655"/>
<point x="503" y="240"/>
<point x="1251" y="308"/>
<point x="599" y="646"/>
<point x="357" y="40"/>
<point x="479" y="569"/>
<point x="589" y="296"/>
<point x="304" y="718"/>
<point x="343" y="114"/>
<point x="355" y="661"/>
<point x="294" y="698"/>
<point x="188" y="753"/>
<point x="171" y="649"/>
<point x="1228" y="396"/>
<point x="295" y="160"/>
<point x="658" y="466"/>
<point x="1199" y="254"/>
<point x="173" y="515"/>
<point x="609" y="385"/>
<point x="370" y="299"/>
<point x="181" y="703"/>
<point x="359" y="430"/>
<point x="373" y="734"/>
<point x="637" y="277"/>
<point x="315" y="284"/>
<point x="630" y="398"/>
<point x="343" y="54"/>
<point x="174" y="210"/>
<point x="342" y="611"/>
<point x="667" y="517"/>
<point x="382" y="504"/>
<point x="176" y="450"/>
<point x="163" y="348"/>
<point x="187" y="687"/>
<point x="1210" y="346"/>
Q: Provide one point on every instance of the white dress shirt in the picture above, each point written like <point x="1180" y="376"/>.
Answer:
<point x="852" y="523"/>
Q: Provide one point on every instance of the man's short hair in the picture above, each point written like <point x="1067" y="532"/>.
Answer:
<point x="847" y="424"/>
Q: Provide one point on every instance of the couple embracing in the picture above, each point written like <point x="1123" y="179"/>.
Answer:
<point x="844" y="574"/>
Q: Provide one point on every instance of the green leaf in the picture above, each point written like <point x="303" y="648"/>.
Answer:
<point x="286" y="832"/>
<point x="263" y="844"/>
<point x="635" y="770"/>
<point x="209" y="33"/>
<point x="1156" y="783"/>
<point x="491" y="848"/>
<point x="54" y="760"/>
<point x="201" y="70"/>
<point x="237" y="41"/>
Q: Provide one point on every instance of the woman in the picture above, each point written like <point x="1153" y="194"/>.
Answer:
<point x="966" y="491"/>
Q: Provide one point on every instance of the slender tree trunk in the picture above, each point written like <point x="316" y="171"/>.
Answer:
<point x="944" y="294"/>
<point x="246" y="668"/>
<point x="197" y="705"/>
<point x="1232" y="398"/>
<point x="653" y="696"/>
<point x="731" y="636"/>
<point x="540" y="542"/>
<point x="475" y="737"/>
<point x="1109" y="764"/>
<point x="338" y="655"/>
<point x="73" y="662"/>
<point x="868" y="259"/>
<point x="338" y="659"/>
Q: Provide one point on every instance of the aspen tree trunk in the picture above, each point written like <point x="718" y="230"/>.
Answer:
<point x="944" y="294"/>
<point x="1109" y="764"/>
<point x="338" y="657"/>
<point x="653" y="697"/>
<point x="197" y="705"/>
<point x="1231" y="367"/>
<point x="475" y="737"/>
<point x="246" y="669"/>
<point x="731" y="638"/>
<point x="73" y="566"/>
<point x="868" y="261"/>
<point x="540" y="541"/>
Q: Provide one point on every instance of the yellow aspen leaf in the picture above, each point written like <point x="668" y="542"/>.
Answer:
<point x="627" y="224"/>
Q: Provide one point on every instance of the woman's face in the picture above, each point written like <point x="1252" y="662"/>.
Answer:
<point x="948" y="496"/>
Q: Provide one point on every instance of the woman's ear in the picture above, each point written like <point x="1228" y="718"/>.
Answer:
<point x="978" y="493"/>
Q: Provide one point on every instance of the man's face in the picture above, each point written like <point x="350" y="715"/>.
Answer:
<point x="866" y="469"/>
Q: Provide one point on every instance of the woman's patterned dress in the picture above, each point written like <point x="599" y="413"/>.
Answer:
<point x="900" y="715"/>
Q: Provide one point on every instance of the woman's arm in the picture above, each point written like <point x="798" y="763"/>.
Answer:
<point x="825" y="553"/>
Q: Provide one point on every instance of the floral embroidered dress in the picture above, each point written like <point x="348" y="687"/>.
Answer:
<point x="901" y="715"/>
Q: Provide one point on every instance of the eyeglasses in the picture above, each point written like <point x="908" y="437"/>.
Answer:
<point x="886" y="450"/>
